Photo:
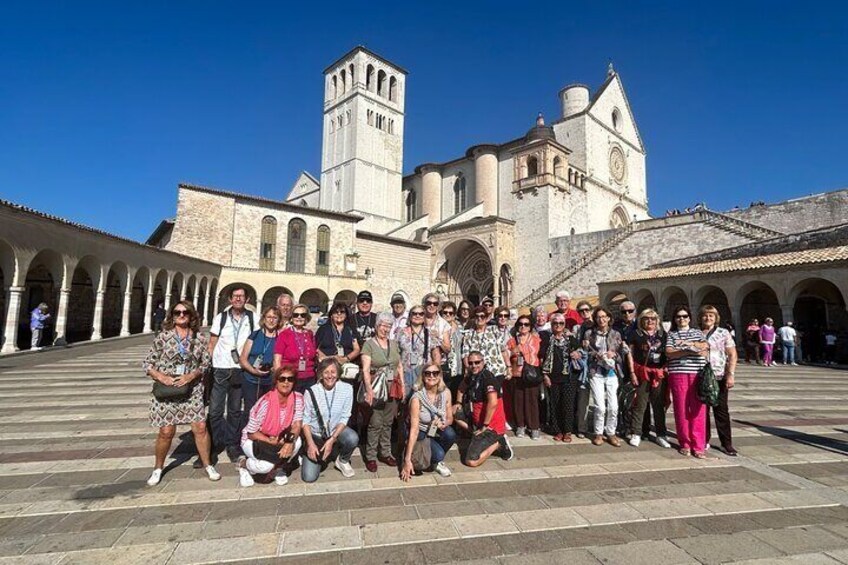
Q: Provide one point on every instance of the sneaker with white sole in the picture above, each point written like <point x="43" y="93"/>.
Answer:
<point x="535" y="434"/>
<point x="245" y="478"/>
<point x="443" y="469"/>
<point x="663" y="442"/>
<point x="155" y="477"/>
<point x="635" y="441"/>
<point x="281" y="479"/>
<point x="212" y="473"/>
<point x="345" y="468"/>
<point x="507" y="454"/>
<point x="520" y="431"/>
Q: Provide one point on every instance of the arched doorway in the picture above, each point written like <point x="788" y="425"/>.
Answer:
<point x="316" y="299"/>
<point x="644" y="299"/>
<point x="189" y="293"/>
<point x="818" y="305"/>
<point x="113" y="299"/>
<point x="84" y="284"/>
<point x="613" y="300"/>
<point x="675" y="298"/>
<point x="224" y="296"/>
<point x="758" y="300"/>
<point x="347" y="297"/>
<point x="138" y="300"/>
<point x="213" y="294"/>
<point x="160" y="285"/>
<point x="466" y="271"/>
<point x="272" y="294"/>
<point x="711" y="295"/>
<point x="42" y="283"/>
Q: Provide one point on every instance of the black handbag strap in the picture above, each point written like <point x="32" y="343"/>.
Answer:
<point x="324" y="431"/>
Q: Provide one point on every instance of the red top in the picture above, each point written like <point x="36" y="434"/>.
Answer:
<point x="572" y="317"/>
<point x="294" y="346"/>
<point x="529" y="350"/>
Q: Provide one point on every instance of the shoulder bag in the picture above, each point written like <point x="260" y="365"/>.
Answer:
<point x="379" y="384"/>
<point x="167" y="393"/>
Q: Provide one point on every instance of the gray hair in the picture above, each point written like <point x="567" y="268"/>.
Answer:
<point x="430" y="295"/>
<point x="626" y="303"/>
<point x="563" y="294"/>
<point x="384" y="318"/>
<point x="540" y="308"/>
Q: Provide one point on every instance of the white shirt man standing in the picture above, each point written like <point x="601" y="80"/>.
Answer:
<point x="787" y="336"/>
<point x="398" y="304"/>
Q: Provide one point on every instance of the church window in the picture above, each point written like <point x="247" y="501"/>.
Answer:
<point x="392" y="89"/>
<point x="616" y="119"/>
<point x="381" y="83"/>
<point x="619" y="218"/>
<point x="332" y="126"/>
<point x="352" y="80"/>
<point x="340" y="120"/>
<point x="532" y="166"/>
<point x="343" y="77"/>
<point x="322" y="263"/>
<point x="557" y="167"/>
<point x="296" y="246"/>
<point x="268" y="243"/>
<point x="369" y="116"/>
<point x="369" y="78"/>
<point x="459" y="194"/>
<point x="334" y="91"/>
<point x="411" y="212"/>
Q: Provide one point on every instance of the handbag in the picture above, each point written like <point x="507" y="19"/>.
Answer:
<point x="167" y="393"/>
<point x="531" y="374"/>
<point x="421" y="455"/>
<point x="379" y="384"/>
<point x="396" y="389"/>
<point x="349" y="372"/>
<point x="708" y="385"/>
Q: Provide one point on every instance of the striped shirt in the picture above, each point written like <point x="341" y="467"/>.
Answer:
<point x="260" y="410"/>
<point x="692" y="362"/>
<point x="335" y="406"/>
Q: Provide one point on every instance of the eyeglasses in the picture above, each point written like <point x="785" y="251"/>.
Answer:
<point x="651" y="318"/>
<point x="432" y="373"/>
<point x="178" y="313"/>
<point x="284" y="379"/>
<point x="682" y="317"/>
<point x="475" y="363"/>
<point x="299" y="315"/>
<point x="432" y="303"/>
<point x="480" y="316"/>
<point x="464" y="309"/>
<point x="416" y="313"/>
<point x="503" y="315"/>
<point x="448" y="312"/>
<point x="584" y="309"/>
<point x="524" y="325"/>
<point x="557" y="323"/>
<point x="628" y="311"/>
<point x="342" y="312"/>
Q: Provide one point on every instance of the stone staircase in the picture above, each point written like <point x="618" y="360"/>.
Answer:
<point x="576" y="265"/>
<point x="737" y="226"/>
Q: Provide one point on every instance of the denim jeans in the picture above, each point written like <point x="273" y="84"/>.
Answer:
<point x="439" y="445"/>
<point x="251" y="393"/>
<point x="343" y="449"/>
<point x="788" y="352"/>
<point x="227" y="396"/>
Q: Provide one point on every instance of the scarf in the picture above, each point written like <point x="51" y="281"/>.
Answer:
<point x="275" y="422"/>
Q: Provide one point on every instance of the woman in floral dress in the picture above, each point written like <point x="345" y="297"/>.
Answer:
<point x="179" y="356"/>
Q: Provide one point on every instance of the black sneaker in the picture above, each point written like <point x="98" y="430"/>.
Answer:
<point x="506" y="449"/>
<point x="198" y="464"/>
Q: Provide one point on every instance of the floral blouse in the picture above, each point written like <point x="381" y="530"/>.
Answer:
<point x="490" y="343"/>
<point x="169" y="352"/>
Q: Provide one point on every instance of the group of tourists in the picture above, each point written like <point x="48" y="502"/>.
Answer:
<point x="274" y="395"/>
<point x="762" y="341"/>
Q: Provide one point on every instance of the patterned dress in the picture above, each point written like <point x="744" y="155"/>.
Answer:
<point x="165" y="355"/>
<point x="491" y="344"/>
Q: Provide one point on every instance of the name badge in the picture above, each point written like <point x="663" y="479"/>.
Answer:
<point x="235" y="355"/>
<point x="301" y="365"/>
<point x="179" y="370"/>
<point x="340" y="350"/>
<point x="257" y="362"/>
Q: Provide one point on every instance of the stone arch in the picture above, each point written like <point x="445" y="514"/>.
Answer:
<point x="532" y="166"/>
<point x="613" y="299"/>
<point x="113" y="299"/>
<point x="202" y="298"/>
<point x="271" y="295"/>
<point x="138" y="299"/>
<point x="189" y="293"/>
<point x="673" y="297"/>
<point x="176" y="288"/>
<point x="392" y="89"/>
<point x="370" y="82"/>
<point x="85" y="282"/>
<point x="213" y="297"/>
<point x="714" y="296"/>
<point x="644" y="298"/>
<point x="505" y="279"/>
<point x="619" y="218"/>
<point x="468" y="270"/>
<point x="817" y="305"/>
<point x="42" y="282"/>
<point x="315" y="299"/>
<point x="345" y="297"/>
<point x="160" y="288"/>
<point x="558" y="167"/>
<point x="224" y="296"/>
<point x="757" y="299"/>
<point x="381" y="83"/>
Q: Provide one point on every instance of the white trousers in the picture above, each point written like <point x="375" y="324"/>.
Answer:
<point x="605" y="401"/>
<point x="260" y="466"/>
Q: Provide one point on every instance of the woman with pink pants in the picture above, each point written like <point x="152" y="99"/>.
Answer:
<point x="687" y="350"/>
<point x="767" y="339"/>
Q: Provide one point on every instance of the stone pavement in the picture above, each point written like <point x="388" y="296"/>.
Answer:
<point x="76" y="449"/>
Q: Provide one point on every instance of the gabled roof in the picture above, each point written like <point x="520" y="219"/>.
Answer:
<point x="164" y="227"/>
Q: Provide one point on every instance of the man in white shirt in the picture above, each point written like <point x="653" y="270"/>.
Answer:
<point x="229" y="332"/>
<point x="398" y="304"/>
<point x="787" y="342"/>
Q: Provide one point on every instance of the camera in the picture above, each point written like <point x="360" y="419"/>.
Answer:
<point x="434" y="428"/>
<point x="265" y="367"/>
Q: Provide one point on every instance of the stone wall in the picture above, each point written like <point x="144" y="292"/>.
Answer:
<point x="393" y="266"/>
<point x="203" y="226"/>
<point x="799" y="214"/>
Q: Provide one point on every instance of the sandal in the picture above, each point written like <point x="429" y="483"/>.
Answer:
<point x="684" y="452"/>
<point x="699" y="455"/>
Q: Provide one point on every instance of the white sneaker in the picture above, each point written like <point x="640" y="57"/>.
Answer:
<point x="212" y="473"/>
<point x="155" y="477"/>
<point x="443" y="469"/>
<point x="245" y="478"/>
<point x="281" y="479"/>
<point x="345" y="468"/>
<point x="663" y="442"/>
<point x="635" y="441"/>
<point x="519" y="432"/>
<point x="707" y="447"/>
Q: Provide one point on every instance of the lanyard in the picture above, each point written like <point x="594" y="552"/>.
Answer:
<point x="236" y="328"/>
<point x="183" y="344"/>
<point x="300" y="343"/>
<point x="329" y="403"/>
<point x="337" y="336"/>
<point x="265" y="344"/>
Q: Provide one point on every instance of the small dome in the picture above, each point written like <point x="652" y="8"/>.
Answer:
<point x="540" y="130"/>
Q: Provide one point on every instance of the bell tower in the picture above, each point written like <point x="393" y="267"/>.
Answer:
<point x="362" y="149"/>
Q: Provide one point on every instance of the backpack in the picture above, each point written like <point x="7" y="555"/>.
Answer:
<point x="708" y="386"/>
<point x="225" y="317"/>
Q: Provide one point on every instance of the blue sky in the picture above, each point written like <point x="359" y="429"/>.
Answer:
<point x="105" y="107"/>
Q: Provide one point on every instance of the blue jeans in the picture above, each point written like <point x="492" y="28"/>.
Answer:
<point x="788" y="352"/>
<point x="251" y="393"/>
<point x="225" y="395"/>
<point x="409" y="378"/>
<point x="439" y="445"/>
<point x="343" y="449"/>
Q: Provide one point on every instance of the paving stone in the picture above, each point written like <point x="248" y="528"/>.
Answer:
<point x="403" y="532"/>
<point x="380" y="515"/>
<point x="215" y="550"/>
<point x="135" y="555"/>
<point x="18" y="545"/>
<point x="354" y="501"/>
<point x="456" y="508"/>
<point x="608" y="514"/>
<point x="392" y="555"/>
<point x="724" y="548"/>
<point x="562" y="556"/>
<point x="484" y="525"/>
<point x="805" y="558"/>
<point x="314" y="520"/>
<point x="661" y="529"/>
<point x="511" y="504"/>
<point x="799" y="540"/>
<point x="58" y="543"/>
<point x="98" y="520"/>
<point x="163" y="533"/>
<point x="324" y="539"/>
<point x="669" y="508"/>
<point x="534" y="520"/>
<point x="642" y="553"/>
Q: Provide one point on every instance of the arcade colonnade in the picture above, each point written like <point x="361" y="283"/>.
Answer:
<point x="96" y="285"/>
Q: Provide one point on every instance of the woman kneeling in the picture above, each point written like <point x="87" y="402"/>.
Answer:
<point x="271" y="438"/>
<point x="430" y="413"/>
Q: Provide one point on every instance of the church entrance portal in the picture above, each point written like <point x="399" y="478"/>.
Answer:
<point x="466" y="272"/>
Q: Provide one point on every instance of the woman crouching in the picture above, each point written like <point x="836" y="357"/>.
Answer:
<point x="430" y="412"/>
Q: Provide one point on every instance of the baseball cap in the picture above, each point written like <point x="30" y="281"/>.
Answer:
<point x="397" y="298"/>
<point x="364" y="296"/>
<point x="488" y="299"/>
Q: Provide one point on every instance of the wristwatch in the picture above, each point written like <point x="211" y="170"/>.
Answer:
<point x="288" y="437"/>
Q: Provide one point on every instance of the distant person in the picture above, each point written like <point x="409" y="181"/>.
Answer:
<point x="752" y="341"/>
<point x="37" y="319"/>
<point x="788" y="335"/>
<point x="768" y="336"/>
<point x="158" y="317"/>
<point x="830" y="346"/>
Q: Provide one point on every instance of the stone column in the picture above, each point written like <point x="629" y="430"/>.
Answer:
<point x="207" y="317"/>
<point x="62" y="317"/>
<point x="431" y="193"/>
<point x="168" y="300"/>
<point x="125" y="315"/>
<point x="148" y="314"/>
<point x="196" y="292"/>
<point x="214" y="308"/>
<point x="788" y="313"/>
<point x="13" y="310"/>
<point x="97" y="331"/>
<point x="183" y="288"/>
<point x="486" y="177"/>
<point x="259" y="306"/>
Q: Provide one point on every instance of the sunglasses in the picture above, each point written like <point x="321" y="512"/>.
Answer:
<point x="557" y="323"/>
<point x="524" y="325"/>
<point x="365" y="301"/>
<point x="448" y="312"/>
<point x="475" y="363"/>
<point x="463" y="309"/>
<point x="416" y="313"/>
<point x="584" y="309"/>
<point x="432" y="303"/>
<point x="432" y="373"/>
<point x="503" y="315"/>
<point x="628" y="311"/>
<point x="299" y="315"/>
<point x="480" y="316"/>
<point x="342" y="312"/>
<point x="682" y="317"/>
<point x="284" y="379"/>
<point x="178" y="313"/>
